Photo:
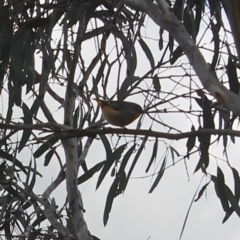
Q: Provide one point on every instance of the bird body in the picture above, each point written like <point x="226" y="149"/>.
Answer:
<point x="120" y="113"/>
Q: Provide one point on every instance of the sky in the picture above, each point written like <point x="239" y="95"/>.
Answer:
<point x="136" y="214"/>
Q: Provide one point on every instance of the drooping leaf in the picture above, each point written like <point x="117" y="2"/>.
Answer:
<point x="236" y="183"/>
<point x="7" y="156"/>
<point x="27" y="119"/>
<point x="188" y="22"/>
<point x="204" y="140"/>
<point x="215" y="31"/>
<point x="232" y="76"/>
<point x="228" y="214"/>
<point x="122" y="183"/>
<point x="201" y="191"/>
<point x="106" y="145"/>
<point x="6" y="32"/>
<point x="126" y="159"/>
<point x="121" y="173"/>
<point x="221" y="190"/>
<point x="173" y="151"/>
<point x="156" y="83"/>
<point x="198" y="14"/>
<point x="100" y="75"/>
<point x="191" y="141"/>
<point x="113" y="157"/>
<point x="48" y="157"/>
<point x="154" y="154"/>
<point x="147" y="51"/>
<point x="188" y="211"/>
<point x="124" y="91"/>
<point x="111" y="195"/>
<point x="178" y="9"/>
<point x="176" y="55"/>
<point x="44" y="147"/>
<point x="233" y="201"/>
<point x="160" y="43"/>
<point x="205" y="104"/>
<point x="91" y="172"/>
<point x="136" y="158"/>
<point x="159" y="176"/>
<point x="130" y="52"/>
<point x="34" y="174"/>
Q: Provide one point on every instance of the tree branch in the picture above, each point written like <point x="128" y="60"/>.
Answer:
<point x="92" y="132"/>
<point x="162" y="15"/>
<point x="70" y="145"/>
<point x="172" y="136"/>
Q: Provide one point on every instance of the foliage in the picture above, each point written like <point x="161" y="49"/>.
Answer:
<point x="56" y="57"/>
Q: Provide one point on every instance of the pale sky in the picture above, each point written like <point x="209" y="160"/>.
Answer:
<point x="137" y="215"/>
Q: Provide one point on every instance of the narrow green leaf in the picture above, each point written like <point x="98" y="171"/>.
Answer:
<point x="188" y="211"/>
<point x="154" y="154"/>
<point x="191" y="141"/>
<point x="111" y="195"/>
<point x="44" y="147"/>
<point x="176" y="54"/>
<point x="115" y="156"/>
<point x="125" y="159"/>
<point x="136" y="158"/>
<point x="106" y="145"/>
<point x="27" y="119"/>
<point x="147" y="51"/>
<point x="7" y="156"/>
<point x="48" y="157"/>
<point x="228" y="214"/>
<point x="32" y="172"/>
<point x="160" y="42"/>
<point x="232" y="76"/>
<point x="198" y="15"/>
<point x="25" y="137"/>
<point x="188" y="22"/>
<point x="215" y="31"/>
<point x="124" y="92"/>
<point x="35" y="107"/>
<point x="173" y="152"/>
<point x="90" y="172"/>
<point x="236" y="183"/>
<point x="129" y="51"/>
<point x="204" y="187"/>
<point x="232" y="199"/>
<point x="122" y="183"/>
<point x="156" y="83"/>
<point x="221" y="190"/>
<point x="121" y="173"/>
<point x="204" y="146"/>
<point x="159" y="176"/>
<point x="205" y="104"/>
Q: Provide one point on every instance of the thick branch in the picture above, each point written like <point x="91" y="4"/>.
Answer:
<point x="162" y="15"/>
<point x="139" y="132"/>
<point x="92" y="132"/>
<point x="48" y="211"/>
<point x="70" y="145"/>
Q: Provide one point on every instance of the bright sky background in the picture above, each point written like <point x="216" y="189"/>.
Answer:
<point x="137" y="215"/>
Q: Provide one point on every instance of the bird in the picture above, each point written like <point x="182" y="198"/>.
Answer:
<point x="119" y="113"/>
